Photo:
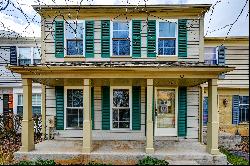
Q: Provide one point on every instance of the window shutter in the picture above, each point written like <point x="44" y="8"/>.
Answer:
<point x="136" y="108"/>
<point x="93" y="108"/>
<point x="59" y="39"/>
<point x="59" y="90"/>
<point x="89" y="39"/>
<point x="182" y="112"/>
<point x="221" y="59"/>
<point x="136" y="38"/>
<point x="13" y="55"/>
<point x="235" y="111"/>
<point x="105" y="108"/>
<point x="205" y="111"/>
<point x="182" y="38"/>
<point x="151" y="38"/>
<point x="105" y="38"/>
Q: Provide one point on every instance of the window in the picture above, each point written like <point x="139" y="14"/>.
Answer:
<point x="121" y="39"/>
<point x="121" y="108"/>
<point x="36" y="104"/>
<point x="29" y="55"/>
<point x="74" y="109"/>
<point x="244" y="109"/>
<point x="167" y="42"/>
<point x="211" y="56"/>
<point x="74" y="38"/>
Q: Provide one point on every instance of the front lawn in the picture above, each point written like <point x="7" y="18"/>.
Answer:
<point x="234" y="159"/>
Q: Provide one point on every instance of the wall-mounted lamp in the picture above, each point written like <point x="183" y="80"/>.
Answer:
<point x="225" y="102"/>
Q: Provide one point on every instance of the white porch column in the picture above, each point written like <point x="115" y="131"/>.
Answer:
<point x="27" y="123"/>
<point x="87" y="130"/>
<point x="150" y="130"/>
<point x="213" y="118"/>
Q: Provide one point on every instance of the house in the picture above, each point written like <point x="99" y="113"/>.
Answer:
<point x="15" y="50"/>
<point x="123" y="73"/>
<point x="233" y="87"/>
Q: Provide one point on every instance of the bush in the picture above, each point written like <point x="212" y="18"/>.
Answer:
<point x="234" y="159"/>
<point x="37" y="162"/>
<point x="151" y="161"/>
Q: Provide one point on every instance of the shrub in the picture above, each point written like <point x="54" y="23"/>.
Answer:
<point x="234" y="159"/>
<point x="151" y="161"/>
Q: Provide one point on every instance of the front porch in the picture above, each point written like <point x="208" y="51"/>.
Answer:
<point x="123" y="152"/>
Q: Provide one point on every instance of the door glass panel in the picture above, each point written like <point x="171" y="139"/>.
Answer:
<point x="165" y="108"/>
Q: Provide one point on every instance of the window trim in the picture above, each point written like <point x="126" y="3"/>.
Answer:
<point x="21" y="105"/>
<point x="65" y="107"/>
<point x="130" y="108"/>
<point x="157" y="37"/>
<point x="130" y="39"/>
<point x="242" y="104"/>
<point x="65" y="39"/>
<point x="216" y="53"/>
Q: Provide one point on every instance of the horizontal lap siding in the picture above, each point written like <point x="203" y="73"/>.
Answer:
<point x="238" y="57"/>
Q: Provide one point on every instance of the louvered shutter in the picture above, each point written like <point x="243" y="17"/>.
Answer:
<point x="105" y="38"/>
<point x="136" y="38"/>
<point x="151" y="38"/>
<point x="105" y="108"/>
<point x="182" y="112"/>
<point x="13" y="55"/>
<point x="205" y="111"/>
<point x="221" y="59"/>
<point x="59" y="90"/>
<point x="89" y="39"/>
<point x="182" y="38"/>
<point x="136" y="108"/>
<point x="59" y="39"/>
<point x="235" y="109"/>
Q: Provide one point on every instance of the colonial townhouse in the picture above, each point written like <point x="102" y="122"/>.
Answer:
<point x="233" y="87"/>
<point x="18" y="51"/>
<point x="124" y="73"/>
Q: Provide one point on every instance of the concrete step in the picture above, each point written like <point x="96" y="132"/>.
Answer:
<point x="183" y="162"/>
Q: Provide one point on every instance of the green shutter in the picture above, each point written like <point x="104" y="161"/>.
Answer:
<point x="151" y="38"/>
<point x="136" y="38"/>
<point x="105" y="38"/>
<point x="182" y="38"/>
<point x="59" y="39"/>
<point x="59" y="90"/>
<point x="136" y="108"/>
<point x="182" y="112"/>
<point x="105" y="108"/>
<point x="89" y="39"/>
<point x="93" y="108"/>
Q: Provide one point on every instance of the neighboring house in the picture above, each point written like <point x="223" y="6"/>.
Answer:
<point x="123" y="73"/>
<point x="18" y="51"/>
<point x="233" y="87"/>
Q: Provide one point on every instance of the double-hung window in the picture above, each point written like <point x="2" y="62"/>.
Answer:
<point x="121" y="111"/>
<point x="36" y="104"/>
<point x="74" y="38"/>
<point x="121" y="39"/>
<point x="29" y="55"/>
<point x="210" y="56"/>
<point x="167" y="38"/>
<point x="243" y="109"/>
<point x="74" y="108"/>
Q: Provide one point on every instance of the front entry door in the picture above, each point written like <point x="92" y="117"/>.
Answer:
<point x="166" y="111"/>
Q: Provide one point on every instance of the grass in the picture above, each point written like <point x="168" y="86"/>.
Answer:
<point x="234" y="159"/>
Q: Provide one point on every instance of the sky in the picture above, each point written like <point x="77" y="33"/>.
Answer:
<point x="19" y="16"/>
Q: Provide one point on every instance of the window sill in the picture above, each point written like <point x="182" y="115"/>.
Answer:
<point x="243" y="123"/>
<point x="167" y="57"/>
<point x="123" y="130"/>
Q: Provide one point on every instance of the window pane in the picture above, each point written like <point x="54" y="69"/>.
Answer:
<point x="74" y="30"/>
<point x="74" y="47"/>
<point x="74" y="98"/>
<point x="37" y="53"/>
<point x="20" y="110"/>
<point x="36" y="110"/>
<point x="36" y="61"/>
<point x="115" y="125"/>
<point x="120" y="30"/>
<point x="121" y="34"/>
<point x="80" y="118"/>
<point x="36" y="99"/>
<point x="166" y="47"/>
<point x="20" y="99"/>
<point x="121" y="98"/>
<point x="124" y="115"/>
<point x="123" y="124"/>
<point x="121" y="47"/>
<point x="24" y="53"/>
<point x="72" y="118"/>
<point x="210" y="55"/>
<point x="24" y="61"/>
<point x="167" y="29"/>
<point x="115" y="114"/>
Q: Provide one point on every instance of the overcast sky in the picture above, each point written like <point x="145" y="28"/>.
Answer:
<point x="20" y="17"/>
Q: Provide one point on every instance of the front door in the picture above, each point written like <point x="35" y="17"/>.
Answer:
<point x="166" y="111"/>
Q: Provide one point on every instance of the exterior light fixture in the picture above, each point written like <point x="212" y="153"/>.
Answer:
<point x="225" y="102"/>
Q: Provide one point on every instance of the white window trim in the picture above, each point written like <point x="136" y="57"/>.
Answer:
<point x="65" y="106"/>
<point x="111" y="108"/>
<point x="65" y="39"/>
<point x="111" y="38"/>
<point x="176" y="36"/>
<point x="216" y="52"/>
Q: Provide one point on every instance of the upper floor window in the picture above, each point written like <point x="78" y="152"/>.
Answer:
<point x="167" y="38"/>
<point x="121" y="38"/>
<point x="243" y="109"/>
<point x="210" y="55"/>
<point x="74" y="37"/>
<point x="29" y="55"/>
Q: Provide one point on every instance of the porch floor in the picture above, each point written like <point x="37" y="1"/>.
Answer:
<point x="121" y="152"/>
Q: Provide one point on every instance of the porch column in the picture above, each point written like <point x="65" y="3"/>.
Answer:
<point x="213" y="118"/>
<point x="27" y="123"/>
<point x="87" y="130"/>
<point x="150" y="129"/>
